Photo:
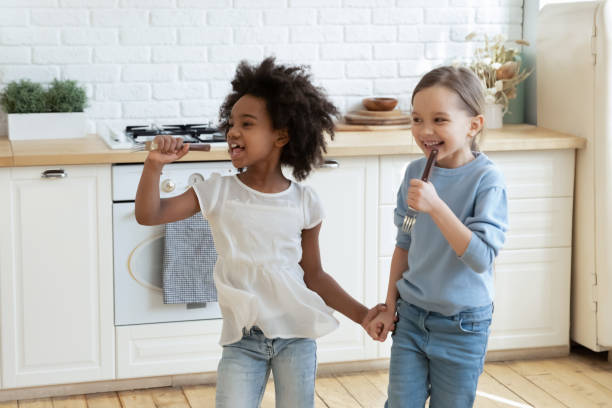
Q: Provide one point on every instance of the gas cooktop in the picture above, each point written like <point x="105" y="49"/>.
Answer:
<point x="135" y="135"/>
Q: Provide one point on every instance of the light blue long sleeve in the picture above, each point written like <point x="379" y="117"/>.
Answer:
<point x="437" y="279"/>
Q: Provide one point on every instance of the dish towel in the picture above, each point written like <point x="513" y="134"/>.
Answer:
<point x="189" y="261"/>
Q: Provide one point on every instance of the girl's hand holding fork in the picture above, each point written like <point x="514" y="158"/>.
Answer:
<point x="169" y="149"/>
<point x="422" y="196"/>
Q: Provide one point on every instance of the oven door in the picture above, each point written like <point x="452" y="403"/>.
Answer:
<point x="138" y="252"/>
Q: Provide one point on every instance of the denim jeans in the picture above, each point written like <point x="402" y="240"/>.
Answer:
<point x="437" y="356"/>
<point x="245" y="367"/>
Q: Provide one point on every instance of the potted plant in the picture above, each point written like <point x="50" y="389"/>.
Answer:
<point x="38" y="113"/>
<point x="499" y="69"/>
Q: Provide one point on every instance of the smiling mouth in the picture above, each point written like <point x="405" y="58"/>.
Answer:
<point x="433" y="143"/>
<point x="235" y="149"/>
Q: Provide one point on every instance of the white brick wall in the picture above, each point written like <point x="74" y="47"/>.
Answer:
<point x="171" y="60"/>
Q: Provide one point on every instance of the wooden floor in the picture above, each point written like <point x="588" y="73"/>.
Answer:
<point x="582" y="380"/>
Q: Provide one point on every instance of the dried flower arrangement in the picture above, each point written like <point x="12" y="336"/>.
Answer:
<point x="499" y="68"/>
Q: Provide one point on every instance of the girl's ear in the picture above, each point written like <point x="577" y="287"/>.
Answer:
<point x="282" y="137"/>
<point x="476" y="124"/>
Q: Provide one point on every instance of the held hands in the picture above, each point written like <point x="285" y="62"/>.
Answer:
<point x="380" y="326"/>
<point x="169" y="149"/>
<point x="422" y="196"/>
<point x="376" y="322"/>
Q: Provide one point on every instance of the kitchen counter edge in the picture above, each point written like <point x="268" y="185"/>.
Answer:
<point x="93" y="150"/>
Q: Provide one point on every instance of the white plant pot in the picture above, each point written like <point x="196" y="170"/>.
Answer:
<point x="494" y="115"/>
<point x="33" y="126"/>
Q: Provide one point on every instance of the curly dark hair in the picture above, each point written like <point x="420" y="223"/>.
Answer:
<point x="293" y="103"/>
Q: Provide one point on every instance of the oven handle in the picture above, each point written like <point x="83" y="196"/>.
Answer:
<point x="330" y="164"/>
<point x="54" y="173"/>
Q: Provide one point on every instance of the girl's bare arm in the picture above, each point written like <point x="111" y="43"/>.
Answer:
<point x="331" y="292"/>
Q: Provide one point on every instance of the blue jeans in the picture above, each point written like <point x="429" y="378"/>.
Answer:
<point x="245" y="367"/>
<point x="437" y="356"/>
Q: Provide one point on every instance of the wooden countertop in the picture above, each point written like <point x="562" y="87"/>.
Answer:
<point x="6" y="154"/>
<point x="93" y="150"/>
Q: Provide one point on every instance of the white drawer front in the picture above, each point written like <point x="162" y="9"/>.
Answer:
<point x="539" y="223"/>
<point x="532" y="299"/>
<point x="533" y="223"/>
<point x="168" y="348"/>
<point x="531" y="174"/>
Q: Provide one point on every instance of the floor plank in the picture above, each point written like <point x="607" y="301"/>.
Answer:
<point x="571" y="387"/>
<point x="169" y="397"/>
<point x="380" y="379"/>
<point x="103" y="400"/>
<point x="9" y="404"/>
<point x="363" y="390"/>
<point x="136" y="399"/>
<point x="76" y="401"/>
<point x="319" y="402"/>
<point x="531" y="393"/>
<point x="332" y="393"/>
<point x="200" y="396"/>
<point x="491" y="393"/>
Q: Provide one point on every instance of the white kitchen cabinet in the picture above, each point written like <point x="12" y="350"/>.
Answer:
<point x="534" y="265"/>
<point x="168" y="348"/>
<point x="533" y="271"/>
<point x="56" y="276"/>
<point x="348" y="189"/>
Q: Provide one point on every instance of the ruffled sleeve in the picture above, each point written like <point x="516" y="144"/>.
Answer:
<point x="313" y="209"/>
<point x="208" y="193"/>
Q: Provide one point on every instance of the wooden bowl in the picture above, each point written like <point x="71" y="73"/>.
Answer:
<point x="379" y="104"/>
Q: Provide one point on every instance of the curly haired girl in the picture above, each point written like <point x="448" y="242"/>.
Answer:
<point x="273" y="294"/>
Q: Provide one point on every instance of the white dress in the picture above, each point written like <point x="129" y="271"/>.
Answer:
<point x="258" y="237"/>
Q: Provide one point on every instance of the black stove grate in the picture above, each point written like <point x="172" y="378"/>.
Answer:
<point x="192" y="133"/>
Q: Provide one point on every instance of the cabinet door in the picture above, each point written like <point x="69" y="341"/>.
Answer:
<point x="531" y="300"/>
<point x="348" y="189"/>
<point x="56" y="277"/>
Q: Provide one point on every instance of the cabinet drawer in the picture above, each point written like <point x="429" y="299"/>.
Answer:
<point x="528" y="174"/>
<point x="532" y="174"/>
<point x="532" y="299"/>
<point x="539" y="223"/>
<point x="169" y="348"/>
<point x="533" y="223"/>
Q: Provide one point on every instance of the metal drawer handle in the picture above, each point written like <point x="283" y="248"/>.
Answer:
<point x="55" y="173"/>
<point x="330" y="164"/>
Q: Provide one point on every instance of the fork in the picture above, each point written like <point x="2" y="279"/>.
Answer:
<point x="411" y="214"/>
<point x="151" y="145"/>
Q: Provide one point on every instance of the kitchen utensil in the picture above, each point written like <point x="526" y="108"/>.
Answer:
<point x="357" y="119"/>
<point x="411" y="214"/>
<point x="348" y="127"/>
<point x="379" y="114"/>
<point x="379" y="104"/>
<point x="151" y="145"/>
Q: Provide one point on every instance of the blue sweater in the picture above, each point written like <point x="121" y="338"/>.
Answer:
<point x="437" y="279"/>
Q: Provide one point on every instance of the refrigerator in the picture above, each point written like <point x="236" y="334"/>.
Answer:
<point x="574" y="93"/>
